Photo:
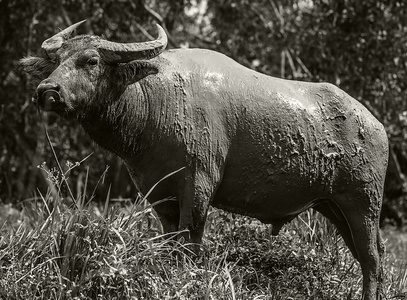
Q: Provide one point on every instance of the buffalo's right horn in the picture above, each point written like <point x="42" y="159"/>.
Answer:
<point x="51" y="45"/>
<point x="124" y="52"/>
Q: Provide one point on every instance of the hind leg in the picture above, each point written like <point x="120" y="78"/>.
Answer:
<point x="362" y="216"/>
<point x="365" y="236"/>
<point x="381" y="249"/>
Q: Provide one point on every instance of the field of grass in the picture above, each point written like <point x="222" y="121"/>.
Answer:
<point x="116" y="251"/>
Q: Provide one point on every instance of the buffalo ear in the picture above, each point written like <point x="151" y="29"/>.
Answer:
<point x="137" y="70"/>
<point x="37" y="67"/>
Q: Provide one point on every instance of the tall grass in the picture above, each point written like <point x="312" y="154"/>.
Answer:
<point x="62" y="248"/>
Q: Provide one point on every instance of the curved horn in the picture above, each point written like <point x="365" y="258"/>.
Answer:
<point x="124" y="52"/>
<point x="51" y="45"/>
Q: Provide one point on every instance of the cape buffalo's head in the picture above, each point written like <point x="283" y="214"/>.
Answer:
<point x="74" y="71"/>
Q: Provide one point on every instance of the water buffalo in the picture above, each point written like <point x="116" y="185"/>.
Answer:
<point x="249" y="143"/>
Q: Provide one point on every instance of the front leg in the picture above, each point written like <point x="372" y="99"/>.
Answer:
<point x="194" y="202"/>
<point x="168" y="213"/>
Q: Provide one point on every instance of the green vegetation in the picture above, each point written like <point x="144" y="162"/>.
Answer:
<point x="116" y="251"/>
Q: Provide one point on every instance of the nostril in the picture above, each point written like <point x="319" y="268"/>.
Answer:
<point x="54" y="87"/>
<point x="43" y="87"/>
<point x="46" y="94"/>
<point x="50" y="96"/>
<point x="47" y="86"/>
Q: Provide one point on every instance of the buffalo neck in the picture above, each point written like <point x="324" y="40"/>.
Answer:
<point x="117" y="122"/>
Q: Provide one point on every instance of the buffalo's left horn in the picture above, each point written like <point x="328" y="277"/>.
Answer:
<point x="51" y="45"/>
<point x="124" y="52"/>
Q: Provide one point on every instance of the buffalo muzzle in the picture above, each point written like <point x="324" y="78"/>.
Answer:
<point x="46" y="96"/>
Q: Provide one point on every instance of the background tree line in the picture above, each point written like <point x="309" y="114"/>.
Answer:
<point x="358" y="45"/>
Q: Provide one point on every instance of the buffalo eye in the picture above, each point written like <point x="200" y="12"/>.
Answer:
<point x="93" y="61"/>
